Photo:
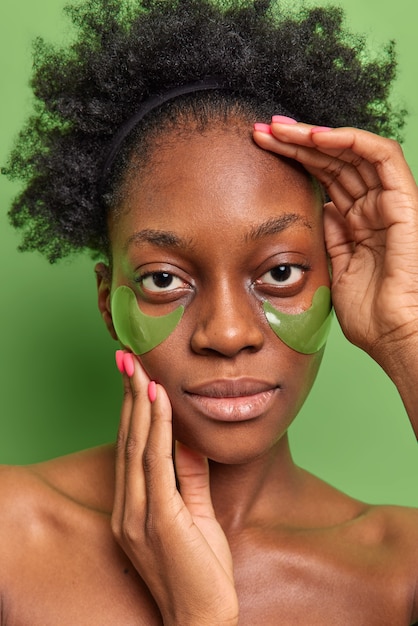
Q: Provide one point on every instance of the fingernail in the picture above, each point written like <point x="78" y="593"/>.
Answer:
<point x="320" y="129"/>
<point x="119" y="361"/>
<point x="152" y="391"/>
<point x="128" y="362"/>
<point x="263" y="128"/>
<point x="283" y="119"/>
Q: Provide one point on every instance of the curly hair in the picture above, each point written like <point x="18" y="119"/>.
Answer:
<point x="303" y="63"/>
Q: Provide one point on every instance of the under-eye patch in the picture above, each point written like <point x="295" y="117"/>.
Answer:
<point x="136" y="330"/>
<point x="304" y="332"/>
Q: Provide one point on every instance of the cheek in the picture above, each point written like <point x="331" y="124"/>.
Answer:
<point x="307" y="372"/>
<point x="305" y="332"/>
<point x="299" y="378"/>
<point x="162" y="364"/>
<point x="139" y="332"/>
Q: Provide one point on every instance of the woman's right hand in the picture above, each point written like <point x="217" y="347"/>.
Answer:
<point x="172" y="538"/>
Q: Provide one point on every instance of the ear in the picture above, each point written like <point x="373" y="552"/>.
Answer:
<point x="103" y="278"/>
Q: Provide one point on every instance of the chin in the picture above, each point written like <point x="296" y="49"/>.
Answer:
<point x="236" y="444"/>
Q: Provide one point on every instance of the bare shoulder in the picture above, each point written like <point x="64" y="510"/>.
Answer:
<point x="383" y="541"/>
<point x="27" y="493"/>
<point x="398" y="527"/>
<point x="398" y="523"/>
<point x="386" y="525"/>
<point x="371" y="550"/>
<point x="59" y="562"/>
<point x="19" y="496"/>
<point x="395" y="526"/>
<point x="41" y="508"/>
<point x="86" y="477"/>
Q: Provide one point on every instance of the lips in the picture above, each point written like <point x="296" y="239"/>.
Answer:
<point x="232" y="400"/>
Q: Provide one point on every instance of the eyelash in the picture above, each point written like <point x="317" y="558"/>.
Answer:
<point x="274" y="287"/>
<point x="161" y="295"/>
<point x="286" y="268"/>
<point x="140" y="280"/>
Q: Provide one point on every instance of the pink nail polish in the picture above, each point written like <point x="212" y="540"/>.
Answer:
<point x="320" y="129"/>
<point x="152" y="391"/>
<point x="283" y="119"/>
<point x="263" y="128"/>
<point x="128" y="362"/>
<point x="119" y="361"/>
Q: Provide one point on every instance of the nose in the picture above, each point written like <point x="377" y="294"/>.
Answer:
<point x="227" y="322"/>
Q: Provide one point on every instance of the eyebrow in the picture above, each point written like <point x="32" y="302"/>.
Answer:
<point x="168" y="239"/>
<point x="277" y="225"/>
<point x="160" y="238"/>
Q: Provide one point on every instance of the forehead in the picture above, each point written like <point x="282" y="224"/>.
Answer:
<point x="213" y="179"/>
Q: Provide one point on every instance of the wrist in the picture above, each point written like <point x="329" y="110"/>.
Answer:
<point x="228" y="617"/>
<point x="399" y="359"/>
<point x="397" y="352"/>
<point x="200" y="621"/>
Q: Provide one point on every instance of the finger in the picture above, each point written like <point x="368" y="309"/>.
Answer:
<point x="136" y="437"/>
<point x="362" y="149"/>
<point x="193" y="475"/>
<point x="385" y="155"/>
<point x="338" y="240"/>
<point x="378" y="161"/>
<point x="159" y="475"/>
<point x="345" y="162"/>
<point x="336" y="192"/>
<point x="342" y="154"/>
<point x="343" y="180"/>
<point x="119" y="495"/>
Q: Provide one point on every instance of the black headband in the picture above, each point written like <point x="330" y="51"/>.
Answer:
<point x="148" y="105"/>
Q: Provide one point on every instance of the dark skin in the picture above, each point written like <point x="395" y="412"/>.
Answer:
<point x="251" y="538"/>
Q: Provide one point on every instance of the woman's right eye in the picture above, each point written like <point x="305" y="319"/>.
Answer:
<point x="161" y="282"/>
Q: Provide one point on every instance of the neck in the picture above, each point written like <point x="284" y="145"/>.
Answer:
<point x="255" y="491"/>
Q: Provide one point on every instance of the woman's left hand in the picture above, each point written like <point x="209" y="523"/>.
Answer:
<point x="371" y="233"/>
<point x="371" y="226"/>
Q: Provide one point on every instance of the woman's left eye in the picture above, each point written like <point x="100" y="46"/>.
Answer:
<point x="283" y="275"/>
<point x="161" y="281"/>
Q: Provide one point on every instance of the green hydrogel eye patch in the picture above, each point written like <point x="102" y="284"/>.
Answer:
<point x="304" y="332"/>
<point x="136" y="330"/>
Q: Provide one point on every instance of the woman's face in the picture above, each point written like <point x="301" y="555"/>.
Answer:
<point x="218" y="225"/>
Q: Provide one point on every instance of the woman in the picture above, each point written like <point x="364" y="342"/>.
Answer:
<point x="215" y="280"/>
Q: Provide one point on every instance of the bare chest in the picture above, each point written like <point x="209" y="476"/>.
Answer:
<point x="85" y="579"/>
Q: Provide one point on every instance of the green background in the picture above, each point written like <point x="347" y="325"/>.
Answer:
<point x="59" y="388"/>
